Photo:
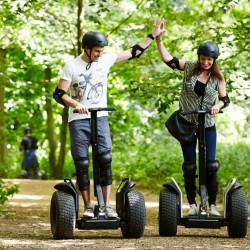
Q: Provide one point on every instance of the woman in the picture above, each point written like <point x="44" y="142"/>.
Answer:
<point x="202" y="83"/>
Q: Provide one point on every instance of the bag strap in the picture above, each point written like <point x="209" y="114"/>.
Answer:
<point x="202" y="98"/>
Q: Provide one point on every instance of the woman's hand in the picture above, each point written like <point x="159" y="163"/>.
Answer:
<point x="215" y="109"/>
<point x="159" y="28"/>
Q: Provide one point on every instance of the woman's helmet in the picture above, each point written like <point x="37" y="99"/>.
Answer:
<point x="94" y="38"/>
<point x="208" y="48"/>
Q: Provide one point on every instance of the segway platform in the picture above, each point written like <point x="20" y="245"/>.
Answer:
<point x="64" y="208"/>
<point x="235" y="209"/>
<point x="201" y="221"/>
<point x="97" y="223"/>
<point x="235" y="205"/>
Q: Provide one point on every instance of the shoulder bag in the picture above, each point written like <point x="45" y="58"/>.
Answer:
<point x="180" y="129"/>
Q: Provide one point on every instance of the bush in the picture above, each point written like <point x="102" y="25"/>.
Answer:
<point x="150" y="166"/>
<point x="6" y="191"/>
<point x="234" y="163"/>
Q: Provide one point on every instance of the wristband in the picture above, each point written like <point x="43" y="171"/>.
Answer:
<point x="151" y="36"/>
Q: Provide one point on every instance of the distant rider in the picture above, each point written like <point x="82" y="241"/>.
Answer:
<point x="30" y="162"/>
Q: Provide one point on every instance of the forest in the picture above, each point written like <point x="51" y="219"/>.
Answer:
<point x="39" y="36"/>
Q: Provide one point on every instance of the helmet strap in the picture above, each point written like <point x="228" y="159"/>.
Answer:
<point x="89" y="56"/>
<point x="88" y="66"/>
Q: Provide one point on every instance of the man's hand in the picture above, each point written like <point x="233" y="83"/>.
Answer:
<point x="81" y="109"/>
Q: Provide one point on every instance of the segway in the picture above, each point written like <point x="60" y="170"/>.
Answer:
<point x="64" y="208"/>
<point x="235" y="205"/>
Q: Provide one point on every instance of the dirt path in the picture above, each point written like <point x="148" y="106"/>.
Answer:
<point x="27" y="226"/>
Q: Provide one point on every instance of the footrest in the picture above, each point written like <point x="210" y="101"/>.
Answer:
<point x="198" y="222"/>
<point x="97" y="223"/>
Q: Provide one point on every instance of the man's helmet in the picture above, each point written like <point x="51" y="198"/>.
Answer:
<point x="27" y="130"/>
<point x="208" y="48"/>
<point x="94" y="38"/>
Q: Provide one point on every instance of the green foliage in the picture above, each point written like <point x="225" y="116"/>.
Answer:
<point x="234" y="163"/>
<point x="6" y="191"/>
<point x="143" y="90"/>
<point x="152" y="161"/>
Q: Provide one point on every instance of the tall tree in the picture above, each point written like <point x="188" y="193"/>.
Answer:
<point x="3" y="151"/>
<point x="57" y="169"/>
<point x="50" y="124"/>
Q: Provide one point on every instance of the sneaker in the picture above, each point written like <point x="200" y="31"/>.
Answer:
<point x="193" y="210"/>
<point x="213" y="211"/>
<point x="110" y="212"/>
<point x="88" y="211"/>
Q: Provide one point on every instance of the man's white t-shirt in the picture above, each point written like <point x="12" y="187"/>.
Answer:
<point x="89" y="87"/>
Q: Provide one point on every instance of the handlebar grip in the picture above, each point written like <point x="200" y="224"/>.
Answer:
<point x="195" y="112"/>
<point x="101" y="109"/>
<point x="97" y="109"/>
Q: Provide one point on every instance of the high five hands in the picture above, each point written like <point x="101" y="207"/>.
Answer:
<point x="160" y="25"/>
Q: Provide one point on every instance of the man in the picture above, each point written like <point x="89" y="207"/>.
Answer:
<point x="30" y="163"/>
<point x="86" y="78"/>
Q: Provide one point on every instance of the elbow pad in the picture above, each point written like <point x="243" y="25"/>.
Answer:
<point x="134" y="49"/>
<point x="174" y="61"/>
<point x="225" y="100"/>
<point x="58" y="94"/>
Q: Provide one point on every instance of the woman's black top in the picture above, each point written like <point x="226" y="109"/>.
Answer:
<point x="199" y="88"/>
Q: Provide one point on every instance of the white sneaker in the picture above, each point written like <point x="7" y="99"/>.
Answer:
<point x="88" y="211"/>
<point x="193" y="210"/>
<point x="213" y="211"/>
<point x="110" y="212"/>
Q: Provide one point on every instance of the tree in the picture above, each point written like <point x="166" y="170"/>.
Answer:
<point x="3" y="152"/>
<point x="38" y="42"/>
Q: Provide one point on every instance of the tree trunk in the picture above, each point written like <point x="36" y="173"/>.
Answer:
<point x="58" y="169"/>
<point x="3" y="151"/>
<point x="63" y="138"/>
<point x="50" y="124"/>
<point x="79" y="26"/>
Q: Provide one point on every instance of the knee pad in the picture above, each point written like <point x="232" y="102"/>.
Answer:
<point x="212" y="166"/>
<point x="189" y="169"/>
<point x="82" y="165"/>
<point x="105" y="160"/>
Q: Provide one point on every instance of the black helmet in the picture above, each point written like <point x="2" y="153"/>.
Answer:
<point x="27" y="130"/>
<point x="208" y="48"/>
<point x="94" y="38"/>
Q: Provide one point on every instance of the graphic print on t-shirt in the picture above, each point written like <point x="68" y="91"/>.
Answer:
<point x="87" y="87"/>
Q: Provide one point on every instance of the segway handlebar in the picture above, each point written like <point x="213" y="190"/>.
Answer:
<point x="101" y="109"/>
<point x="97" y="109"/>
<point x="196" y="112"/>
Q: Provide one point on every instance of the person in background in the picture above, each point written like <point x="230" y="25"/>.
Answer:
<point x="203" y="82"/>
<point x="86" y="79"/>
<point x="30" y="162"/>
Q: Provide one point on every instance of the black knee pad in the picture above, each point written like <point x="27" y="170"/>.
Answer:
<point x="82" y="165"/>
<point x="189" y="169"/>
<point x="212" y="166"/>
<point x="105" y="160"/>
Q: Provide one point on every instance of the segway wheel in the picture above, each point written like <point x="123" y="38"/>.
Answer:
<point x="62" y="215"/>
<point x="168" y="212"/>
<point x="237" y="214"/>
<point x="134" y="222"/>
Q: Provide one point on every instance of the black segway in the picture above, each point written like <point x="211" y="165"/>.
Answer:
<point x="235" y="205"/>
<point x="64" y="208"/>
